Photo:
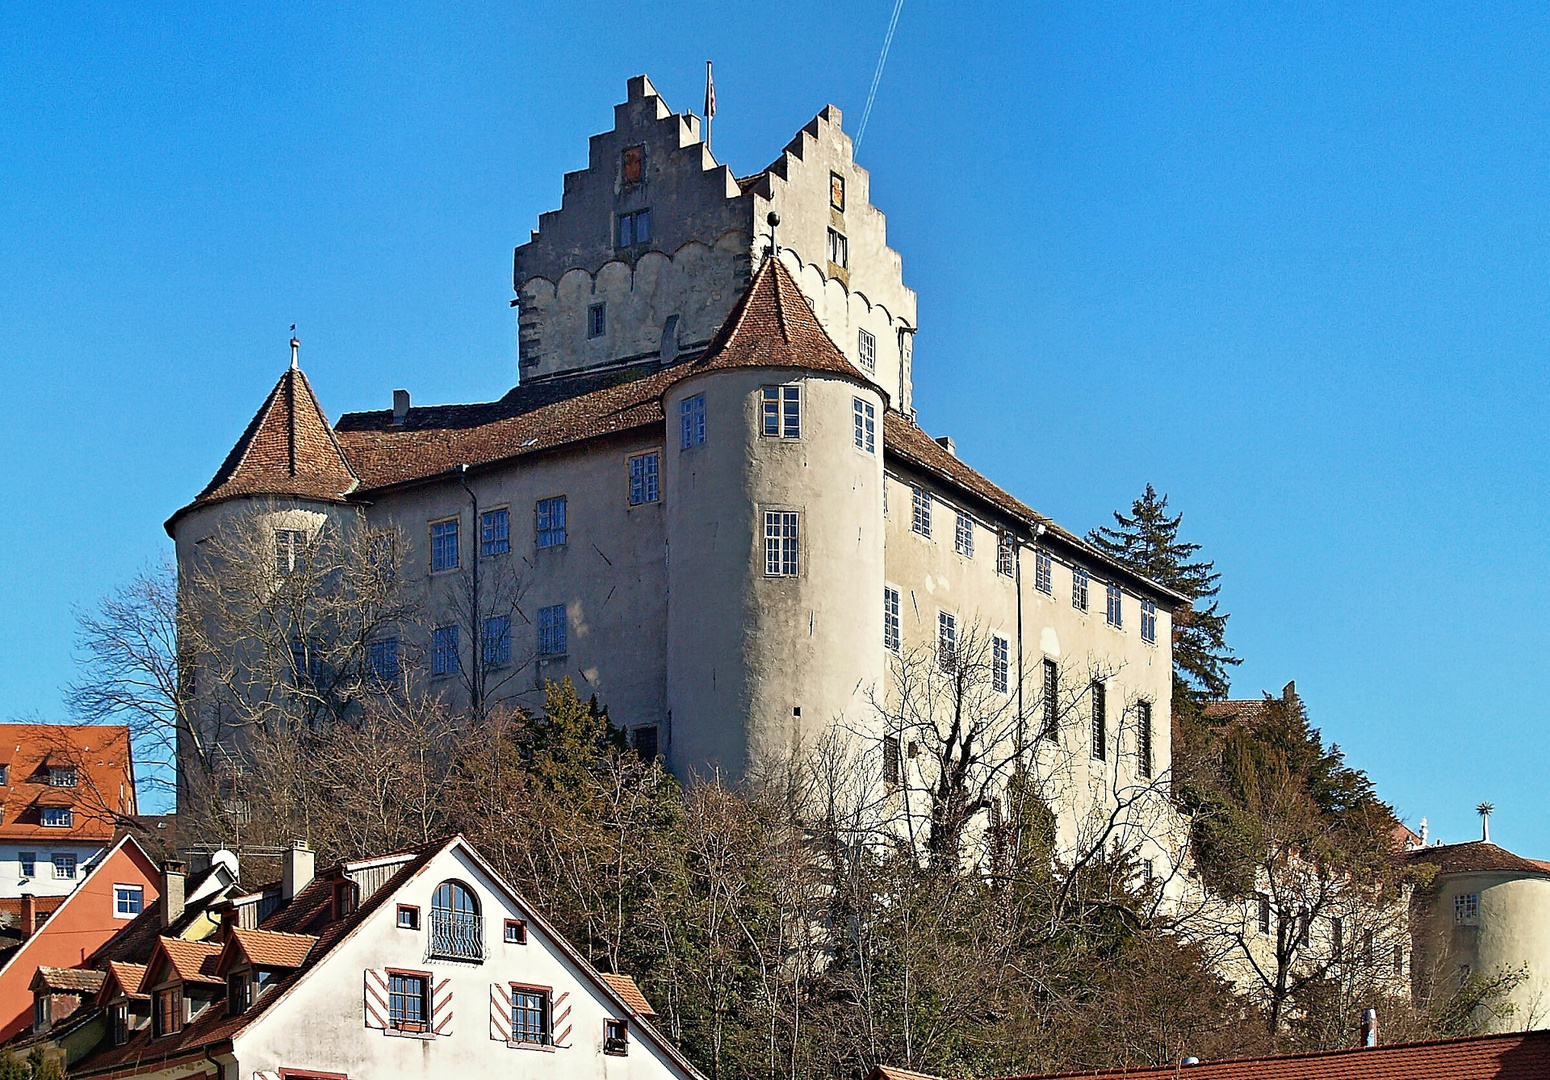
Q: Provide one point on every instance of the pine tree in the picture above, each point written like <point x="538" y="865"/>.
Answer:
<point x="1148" y="542"/>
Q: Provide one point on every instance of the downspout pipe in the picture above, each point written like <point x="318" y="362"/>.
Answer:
<point x="476" y="632"/>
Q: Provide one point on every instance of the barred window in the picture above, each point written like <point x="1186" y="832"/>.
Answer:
<point x="444" y="555"/>
<point x="780" y="543"/>
<point x="597" y="320"/>
<point x="550" y="515"/>
<point x="1000" y="664"/>
<point x="1100" y="749"/>
<point x="1006" y="555"/>
<point x="552" y="631"/>
<point x="867" y="347"/>
<point x="781" y="411"/>
<point x="1149" y="621"/>
<point x="495" y="531"/>
<point x="1043" y="580"/>
<point x="1144" y="739"/>
<point x="963" y="535"/>
<point x="444" y="659"/>
<point x="497" y="640"/>
<point x="866" y="425"/>
<point x="691" y="420"/>
<point x="946" y="639"/>
<point x="1114" y="614"/>
<point x="1079" y="580"/>
<point x="891" y="619"/>
<point x="920" y="520"/>
<point x="644" y="481"/>
<point x="1051" y="699"/>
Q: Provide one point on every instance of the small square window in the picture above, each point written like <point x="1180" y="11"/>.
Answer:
<point x="691" y="416"/>
<point x="408" y="917"/>
<point x="128" y="901"/>
<point x="866" y="347"/>
<point x="645" y="482"/>
<point x="597" y="320"/>
<point x="444" y="555"/>
<point x="444" y="650"/>
<point x="865" y="416"/>
<point x="963" y="535"/>
<point x="920" y="519"/>
<point x="495" y="532"/>
<point x="1079" y="582"/>
<point x="616" y="1038"/>
<point x="550" y="515"/>
<point x="552" y="630"/>
<point x="515" y="932"/>
<point x="1043" y="578"/>
<point x="837" y="191"/>
<point x="838" y="249"/>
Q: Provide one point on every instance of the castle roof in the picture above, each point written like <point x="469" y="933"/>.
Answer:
<point x="1475" y="856"/>
<point x="288" y="451"/>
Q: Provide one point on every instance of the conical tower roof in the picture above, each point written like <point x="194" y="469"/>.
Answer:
<point x="287" y="451"/>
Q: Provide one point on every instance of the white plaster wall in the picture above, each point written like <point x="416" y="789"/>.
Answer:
<point x="320" y="1025"/>
<point x="44" y="883"/>
<point x="1513" y="930"/>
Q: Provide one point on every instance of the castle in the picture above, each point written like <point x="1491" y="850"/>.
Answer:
<point x="711" y="484"/>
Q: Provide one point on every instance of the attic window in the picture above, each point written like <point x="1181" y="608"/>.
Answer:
<point x="168" y="1013"/>
<point x="516" y="932"/>
<point x="634" y="229"/>
<point x="616" y="1037"/>
<point x="57" y="817"/>
<point x="344" y="898"/>
<point x="408" y="917"/>
<point x="61" y="776"/>
<point x="239" y="994"/>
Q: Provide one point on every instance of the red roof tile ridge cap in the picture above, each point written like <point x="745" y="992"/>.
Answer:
<point x="328" y="429"/>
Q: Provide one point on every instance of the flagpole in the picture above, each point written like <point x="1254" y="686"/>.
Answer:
<point x="710" y="102"/>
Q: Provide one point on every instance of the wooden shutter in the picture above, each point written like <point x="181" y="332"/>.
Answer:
<point x="441" y="1007"/>
<point x="500" y="1013"/>
<point x="376" y="999"/>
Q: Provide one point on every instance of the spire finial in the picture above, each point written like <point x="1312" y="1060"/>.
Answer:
<point x="295" y="349"/>
<point x="1485" y="810"/>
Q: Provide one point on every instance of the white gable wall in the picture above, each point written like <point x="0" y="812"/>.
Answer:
<point x="321" y="1024"/>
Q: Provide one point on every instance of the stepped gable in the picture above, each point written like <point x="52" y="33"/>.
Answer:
<point x="773" y="326"/>
<point x="1473" y="857"/>
<point x="287" y="451"/>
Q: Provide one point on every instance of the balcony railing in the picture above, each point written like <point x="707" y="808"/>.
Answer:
<point x="456" y="935"/>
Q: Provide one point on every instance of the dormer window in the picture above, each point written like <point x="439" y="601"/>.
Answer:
<point x="61" y="776"/>
<point x="344" y="898"/>
<point x="57" y="817"/>
<point x="118" y="1020"/>
<point x="239" y="993"/>
<point x="167" y="1016"/>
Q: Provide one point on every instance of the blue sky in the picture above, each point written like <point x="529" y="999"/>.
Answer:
<point x="1289" y="265"/>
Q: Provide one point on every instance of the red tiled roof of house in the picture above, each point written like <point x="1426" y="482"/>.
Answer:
<point x="128" y="977"/>
<point x="272" y="949"/>
<point x="103" y="793"/>
<point x="1523" y="1055"/>
<point x="1475" y="856"/>
<point x="69" y="980"/>
<point x="43" y="906"/>
<point x="626" y="987"/>
<point x="194" y="961"/>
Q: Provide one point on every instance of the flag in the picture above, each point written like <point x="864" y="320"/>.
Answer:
<point x="710" y="93"/>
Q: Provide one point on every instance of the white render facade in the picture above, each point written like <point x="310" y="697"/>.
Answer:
<point x="46" y="869"/>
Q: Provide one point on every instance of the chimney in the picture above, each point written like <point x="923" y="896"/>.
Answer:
<point x="1369" y="1027"/>
<point x="400" y="407"/>
<point x="1289" y="691"/>
<point x="946" y="443"/>
<point x="296" y="869"/>
<point x="174" y="880"/>
<point x="28" y="923"/>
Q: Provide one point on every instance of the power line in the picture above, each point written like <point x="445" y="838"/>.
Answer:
<point x="877" y="76"/>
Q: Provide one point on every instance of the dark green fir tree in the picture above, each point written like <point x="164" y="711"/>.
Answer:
<point x="1147" y="541"/>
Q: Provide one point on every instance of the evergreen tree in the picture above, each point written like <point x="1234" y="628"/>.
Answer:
<point x="1148" y="542"/>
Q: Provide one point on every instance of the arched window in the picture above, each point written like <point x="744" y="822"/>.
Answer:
<point x="457" y="931"/>
<point x="456" y="897"/>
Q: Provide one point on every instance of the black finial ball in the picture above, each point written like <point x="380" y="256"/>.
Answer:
<point x="773" y="219"/>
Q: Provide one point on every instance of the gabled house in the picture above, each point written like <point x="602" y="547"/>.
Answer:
<point x="421" y="963"/>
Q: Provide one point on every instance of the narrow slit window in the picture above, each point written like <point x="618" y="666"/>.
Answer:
<point x="839" y="249"/>
<point x="1006" y="555"/>
<point x="891" y="619"/>
<point x="1144" y="739"/>
<point x="1051" y="699"/>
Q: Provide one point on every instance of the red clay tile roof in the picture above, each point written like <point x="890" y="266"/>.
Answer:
<point x="104" y="780"/>
<point x="194" y="961"/>
<point x="1521" y="1055"/>
<point x="71" y="980"/>
<point x="128" y="977"/>
<point x="288" y="450"/>
<point x="625" y="986"/>
<point x="269" y="948"/>
<point x="1476" y="856"/>
<point x="42" y="905"/>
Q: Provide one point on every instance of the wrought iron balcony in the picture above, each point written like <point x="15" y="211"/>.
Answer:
<point x="456" y="935"/>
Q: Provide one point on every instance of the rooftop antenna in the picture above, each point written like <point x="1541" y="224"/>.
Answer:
<point x="1485" y="810"/>
<point x="295" y="349"/>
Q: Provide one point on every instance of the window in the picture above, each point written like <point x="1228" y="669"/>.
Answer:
<point x="495" y="532"/>
<point x="529" y="1015"/>
<point x="497" y="640"/>
<point x="552" y="630"/>
<point x="781" y="412"/>
<point x="306" y="663"/>
<point x="1051" y="699"/>
<point x="288" y="550"/>
<point x="1079" y="581"/>
<point x="1006" y="555"/>
<point x="920" y="518"/>
<point x="839" y="250"/>
<point x="891" y="619"/>
<point x="382" y="659"/>
<point x="946" y="640"/>
<point x="780" y="543"/>
<point x="168" y="1014"/>
<point x="457" y="931"/>
<point x="837" y="192"/>
<point x="5" y="770"/>
<point x="61" y="776"/>
<point x="866" y="425"/>
<point x="645" y="486"/>
<point x="1144" y="739"/>
<point x="597" y="320"/>
<point x="444" y="545"/>
<point x="41" y="1017"/>
<point x="346" y="896"/>
<point x="58" y="817"/>
<point x="1043" y="580"/>
<point x="1113" y="613"/>
<point x="963" y="535"/>
<point x="408" y="1001"/>
<point x="550" y="514"/>
<point x="893" y="764"/>
<point x="1149" y="621"/>
<point x="645" y="742"/>
<point x="616" y="1037"/>
<point x="444" y="650"/>
<point x="1466" y="908"/>
<point x="515" y="932"/>
<point x="1000" y="663"/>
<point x="29" y="863"/>
<point x="118" y="1016"/>
<point x="634" y="228"/>
<point x="1367" y="950"/>
<point x="128" y="901"/>
<point x="1263" y="913"/>
<point x="1100" y="748"/>
<point x="866" y="346"/>
<point x="239" y="993"/>
<point x="691" y="418"/>
<point x="408" y="917"/>
<point x="632" y="164"/>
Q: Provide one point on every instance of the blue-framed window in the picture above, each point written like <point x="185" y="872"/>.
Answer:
<point x="497" y="640"/>
<point x="495" y="531"/>
<point x="691" y="421"/>
<point x="549" y="515"/>
<point x="444" y="650"/>
<point x="382" y="659"/>
<point x="552" y="631"/>
<point x="444" y="545"/>
<point x="634" y="228"/>
<point x="645" y="483"/>
<point x="1149" y="621"/>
